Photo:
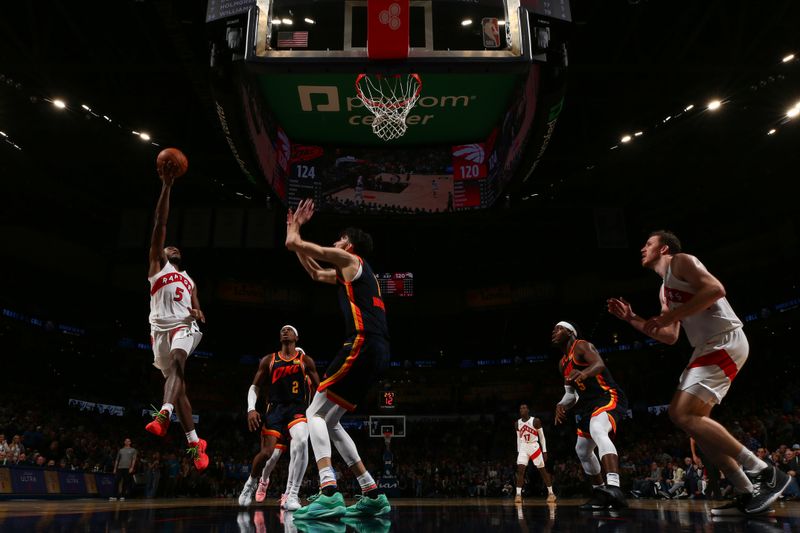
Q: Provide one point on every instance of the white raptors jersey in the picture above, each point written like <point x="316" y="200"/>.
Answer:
<point x="526" y="433"/>
<point x="170" y="299"/>
<point x="711" y="322"/>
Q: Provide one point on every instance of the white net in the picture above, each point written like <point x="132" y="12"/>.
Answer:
<point x="389" y="98"/>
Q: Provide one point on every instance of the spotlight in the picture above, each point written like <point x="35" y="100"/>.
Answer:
<point x="144" y="136"/>
<point x="310" y="21"/>
<point x="788" y="58"/>
<point x="4" y="134"/>
<point x="689" y="107"/>
<point x="772" y="131"/>
<point x="288" y="22"/>
<point x="86" y="107"/>
<point x="466" y="22"/>
<point x="59" y="104"/>
<point x="136" y="133"/>
<point x="793" y="112"/>
<point x="638" y="134"/>
<point x="626" y="139"/>
<point x="276" y="22"/>
<point x="714" y="105"/>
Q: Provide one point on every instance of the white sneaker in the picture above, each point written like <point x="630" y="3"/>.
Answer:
<point x="248" y="491"/>
<point x="122" y="499"/>
<point x="292" y="503"/>
<point x="112" y="499"/>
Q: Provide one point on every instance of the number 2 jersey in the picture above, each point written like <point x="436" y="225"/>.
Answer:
<point x="170" y="299"/>
<point x="287" y="379"/>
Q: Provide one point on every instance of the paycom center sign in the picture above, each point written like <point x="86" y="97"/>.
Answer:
<point x="324" y="108"/>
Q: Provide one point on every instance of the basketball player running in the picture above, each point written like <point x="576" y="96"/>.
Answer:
<point x="174" y="311"/>
<point x="599" y="403"/>
<point x="284" y="375"/>
<point x="691" y="296"/>
<point x="353" y="370"/>
<point x="531" y="446"/>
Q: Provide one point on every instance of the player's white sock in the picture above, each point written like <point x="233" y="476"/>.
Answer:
<point x="168" y="407"/>
<point x="519" y="491"/>
<point x="750" y="462"/>
<point x="327" y="477"/>
<point x="366" y="482"/>
<point x="192" y="437"/>
<point x="741" y="483"/>
<point x="549" y="490"/>
<point x="596" y="486"/>
<point x="612" y="479"/>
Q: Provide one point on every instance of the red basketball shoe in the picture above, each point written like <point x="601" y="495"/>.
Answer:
<point x="198" y="452"/>
<point x="160" y="423"/>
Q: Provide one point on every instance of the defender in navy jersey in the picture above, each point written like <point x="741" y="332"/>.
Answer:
<point x="354" y="369"/>
<point x="174" y="334"/>
<point x="599" y="404"/>
<point x="286" y="375"/>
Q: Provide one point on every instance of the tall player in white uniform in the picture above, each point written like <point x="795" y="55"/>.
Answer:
<point x="174" y="311"/>
<point x="531" y="446"/>
<point x="691" y="296"/>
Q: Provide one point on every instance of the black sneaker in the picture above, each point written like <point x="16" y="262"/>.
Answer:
<point x="614" y="496"/>
<point x="768" y="485"/>
<point x="597" y="502"/>
<point x="734" y="507"/>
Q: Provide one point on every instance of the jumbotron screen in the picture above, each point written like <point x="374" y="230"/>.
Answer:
<point x="396" y="283"/>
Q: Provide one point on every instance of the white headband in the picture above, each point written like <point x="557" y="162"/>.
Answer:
<point x="299" y="349"/>
<point x="569" y="327"/>
<point x="292" y="328"/>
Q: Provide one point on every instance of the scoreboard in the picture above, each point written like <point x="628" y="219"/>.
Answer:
<point x="396" y="283"/>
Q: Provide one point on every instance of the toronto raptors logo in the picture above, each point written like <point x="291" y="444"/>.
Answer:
<point x="391" y="16"/>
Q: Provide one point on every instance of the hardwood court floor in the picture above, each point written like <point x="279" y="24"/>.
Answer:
<point x="408" y="515"/>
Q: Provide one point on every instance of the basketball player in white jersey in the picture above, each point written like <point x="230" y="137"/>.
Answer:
<point x="691" y="296"/>
<point x="531" y="446"/>
<point x="174" y="311"/>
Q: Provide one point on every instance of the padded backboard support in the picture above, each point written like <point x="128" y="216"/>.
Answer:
<point x="388" y="29"/>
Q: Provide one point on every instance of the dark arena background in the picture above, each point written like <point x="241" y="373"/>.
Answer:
<point x="544" y="141"/>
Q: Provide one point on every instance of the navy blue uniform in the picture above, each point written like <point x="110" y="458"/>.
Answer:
<point x="288" y="395"/>
<point x="366" y="348"/>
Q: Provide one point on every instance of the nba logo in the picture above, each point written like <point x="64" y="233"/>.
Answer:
<point x="491" y="33"/>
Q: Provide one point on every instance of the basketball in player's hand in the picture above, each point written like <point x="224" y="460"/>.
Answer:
<point x="176" y="160"/>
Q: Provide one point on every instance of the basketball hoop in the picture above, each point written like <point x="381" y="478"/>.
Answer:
<point x="387" y="438"/>
<point x="389" y="98"/>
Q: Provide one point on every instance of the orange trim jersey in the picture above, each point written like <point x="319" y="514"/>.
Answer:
<point x="597" y="394"/>
<point x="362" y="304"/>
<point x="287" y="379"/>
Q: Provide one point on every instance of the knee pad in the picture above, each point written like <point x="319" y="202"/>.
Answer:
<point x="585" y="449"/>
<point x="299" y="433"/>
<point x="599" y="428"/>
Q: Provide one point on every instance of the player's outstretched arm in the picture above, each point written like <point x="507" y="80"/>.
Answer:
<point x="317" y="273"/>
<point x="622" y="310"/>
<point x="166" y="171"/>
<point x="295" y="243"/>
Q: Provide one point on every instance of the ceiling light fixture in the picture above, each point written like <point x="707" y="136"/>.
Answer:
<point x="788" y="58"/>
<point x="59" y="104"/>
<point x="466" y="22"/>
<point x="625" y="139"/>
<point x="713" y="105"/>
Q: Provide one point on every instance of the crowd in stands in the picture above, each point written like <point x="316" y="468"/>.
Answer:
<point x="441" y="458"/>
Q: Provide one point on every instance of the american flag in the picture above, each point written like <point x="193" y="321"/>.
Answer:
<point x="292" y="39"/>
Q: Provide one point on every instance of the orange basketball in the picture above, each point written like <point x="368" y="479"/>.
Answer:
<point x="179" y="160"/>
